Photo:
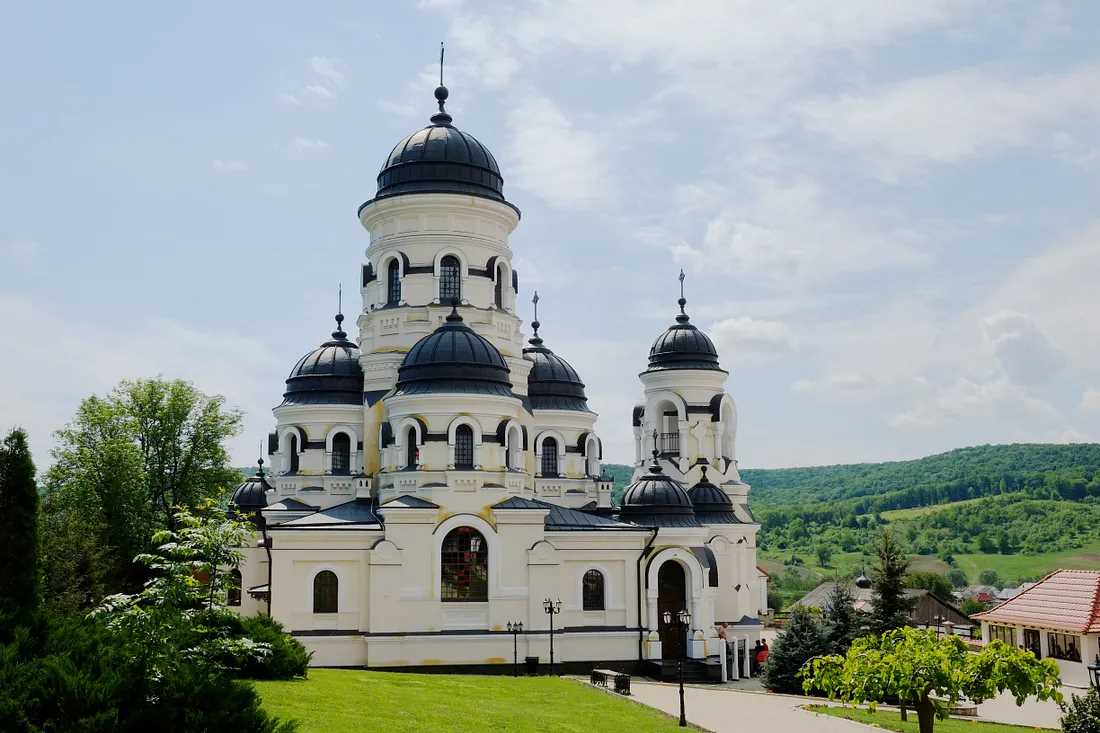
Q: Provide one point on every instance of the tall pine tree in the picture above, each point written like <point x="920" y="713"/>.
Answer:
<point x="18" y="528"/>
<point x="799" y="642"/>
<point x="840" y="620"/>
<point x="890" y="604"/>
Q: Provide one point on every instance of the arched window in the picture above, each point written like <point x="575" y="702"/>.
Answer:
<point x="450" y="279"/>
<point x="592" y="591"/>
<point x="549" y="457"/>
<point x="513" y="456"/>
<point x="592" y="458"/>
<point x="341" y="454"/>
<point x="410" y="448"/>
<point x="292" y="449"/>
<point x="325" y="592"/>
<point x="464" y="447"/>
<point x="498" y="292"/>
<point x="464" y="566"/>
<point x="233" y="592"/>
<point x="393" y="283"/>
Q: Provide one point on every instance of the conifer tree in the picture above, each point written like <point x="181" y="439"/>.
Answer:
<point x="840" y="620"/>
<point x="799" y="642"/>
<point x="18" y="528"/>
<point x="890" y="604"/>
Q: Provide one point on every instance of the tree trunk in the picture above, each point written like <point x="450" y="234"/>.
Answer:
<point x="926" y="715"/>
<point x="904" y="712"/>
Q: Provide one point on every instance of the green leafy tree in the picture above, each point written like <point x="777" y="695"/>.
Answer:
<point x="890" y="605"/>
<point x="990" y="577"/>
<point x="120" y="467"/>
<point x="18" y="528"/>
<point x="957" y="578"/>
<point x="799" y="641"/>
<point x="928" y="673"/>
<point x="840" y="620"/>
<point x="931" y="582"/>
<point x="824" y="554"/>
<point x="971" y="606"/>
<point x="1082" y="713"/>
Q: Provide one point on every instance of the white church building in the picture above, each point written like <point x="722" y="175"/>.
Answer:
<point x="433" y="481"/>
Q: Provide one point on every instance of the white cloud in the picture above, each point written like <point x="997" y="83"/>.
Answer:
<point x="555" y="159"/>
<point x="839" y="384"/>
<point x="999" y="401"/>
<point x="329" y="70"/>
<point x="304" y="147"/>
<point x="19" y="251"/>
<point x="963" y="114"/>
<point x="1023" y="350"/>
<point x="321" y="91"/>
<point x="236" y="365"/>
<point x="229" y="166"/>
<point x="743" y="340"/>
<point x="290" y="100"/>
<point x="1090" y="400"/>
<point x="326" y="80"/>
<point x="790" y="229"/>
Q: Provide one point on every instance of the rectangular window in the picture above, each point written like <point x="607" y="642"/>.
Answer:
<point x="1007" y="634"/>
<point x="1064" y="646"/>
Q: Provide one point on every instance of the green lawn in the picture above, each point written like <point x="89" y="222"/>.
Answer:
<point x="893" y="515"/>
<point x="891" y="720"/>
<point x="339" y="701"/>
<point x="1016" y="566"/>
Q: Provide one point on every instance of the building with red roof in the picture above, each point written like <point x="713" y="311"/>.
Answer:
<point x="1058" y="617"/>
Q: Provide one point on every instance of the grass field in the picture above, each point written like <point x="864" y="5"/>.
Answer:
<point x="891" y="720"/>
<point x="347" y="701"/>
<point x="893" y="515"/>
<point x="1011" y="567"/>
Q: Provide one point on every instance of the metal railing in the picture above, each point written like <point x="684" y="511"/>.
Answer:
<point x="668" y="444"/>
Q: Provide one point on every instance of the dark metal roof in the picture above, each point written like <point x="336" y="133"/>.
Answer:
<point x="658" y="500"/>
<point x="252" y="493"/>
<point x="683" y="346"/>
<point x="354" y="514"/>
<point x="453" y="359"/>
<point x="717" y="517"/>
<point x="290" y="504"/>
<point x="565" y="519"/>
<point x="553" y="383"/>
<point x="405" y="501"/>
<point x="706" y="497"/>
<point x="440" y="158"/>
<point x="328" y="375"/>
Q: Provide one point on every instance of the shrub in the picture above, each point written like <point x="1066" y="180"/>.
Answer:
<point x="285" y="659"/>
<point x="800" y="641"/>
<point x="1082" y="713"/>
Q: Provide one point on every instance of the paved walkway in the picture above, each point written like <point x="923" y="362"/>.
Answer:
<point x="723" y="709"/>
<point x="743" y="705"/>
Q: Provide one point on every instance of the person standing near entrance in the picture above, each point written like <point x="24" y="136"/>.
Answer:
<point x="761" y="656"/>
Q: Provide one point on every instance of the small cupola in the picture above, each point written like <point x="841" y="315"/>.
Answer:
<point x="682" y="345"/>
<point x="328" y="375"/>
<point x="454" y="359"/>
<point x="657" y="500"/>
<point x="553" y="383"/>
<point x="252" y="494"/>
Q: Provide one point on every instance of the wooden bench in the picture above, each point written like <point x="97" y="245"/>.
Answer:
<point x="620" y="680"/>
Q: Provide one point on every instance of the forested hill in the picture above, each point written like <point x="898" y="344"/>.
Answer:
<point x="960" y="474"/>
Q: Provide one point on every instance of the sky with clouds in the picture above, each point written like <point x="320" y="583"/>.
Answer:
<point x="887" y="212"/>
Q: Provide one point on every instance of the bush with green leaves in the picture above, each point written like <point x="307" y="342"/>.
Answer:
<point x="1081" y="714"/>
<point x="285" y="658"/>
<point x="928" y="673"/>
<point x="800" y="641"/>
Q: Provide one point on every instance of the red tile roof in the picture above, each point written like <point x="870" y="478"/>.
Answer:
<point x="1066" y="599"/>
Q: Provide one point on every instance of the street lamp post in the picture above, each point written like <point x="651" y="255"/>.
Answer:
<point x="552" y="609"/>
<point x="1094" y="673"/>
<point x="516" y="628"/>
<point x="681" y="622"/>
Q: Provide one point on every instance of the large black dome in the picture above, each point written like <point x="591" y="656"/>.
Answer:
<point x="453" y="359"/>
<point x="683" y="346"/>
<point x="553" y="383"/>
<point x="658" y="500"/>
<point x="251" y="495"/>
<point x="440" y="158"/>
<point x="328" y="375"/>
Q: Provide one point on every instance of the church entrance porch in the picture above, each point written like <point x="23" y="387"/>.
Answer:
<point x="671" y="597"/>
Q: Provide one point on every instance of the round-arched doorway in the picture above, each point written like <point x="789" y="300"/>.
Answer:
<point x="671" y="597"/>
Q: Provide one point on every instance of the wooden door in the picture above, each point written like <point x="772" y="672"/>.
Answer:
<point x="671" y="597"/>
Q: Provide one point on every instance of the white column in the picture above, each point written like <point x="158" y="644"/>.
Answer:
<point x="748" y="651"/>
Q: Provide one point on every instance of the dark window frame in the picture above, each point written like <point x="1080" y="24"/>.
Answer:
<point x="326" y="592"/>
<point x="592" y="591"/>
<point x="464" y="567"/>
<point x="341" y="459"/>
<point x="498" y="288"/>
<point x="1066" y="647"/>
<point x="464" y="448"/>
<point x="411" y="453"/>
<point x="1007" y="634"/>
<point x="233" y="591"/>
<point x="393" y="283"/>
<point x="549" y="465"/>
<point x="450" y="279"/>
<point x="292" y="448"/>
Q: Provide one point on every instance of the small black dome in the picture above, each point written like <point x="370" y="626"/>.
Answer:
<point x="706" y="497"/>
<point x="453" y="359"/>
<point x="328" y="375"/>
<point x="659" y="500"/>
<point x="553" y="383"/>
<point x="683" y="346"/>
<point x="252" y="494"/>
<point x="440" y="158"/>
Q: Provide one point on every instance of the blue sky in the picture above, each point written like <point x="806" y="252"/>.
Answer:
<point x="887" y="215"/>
